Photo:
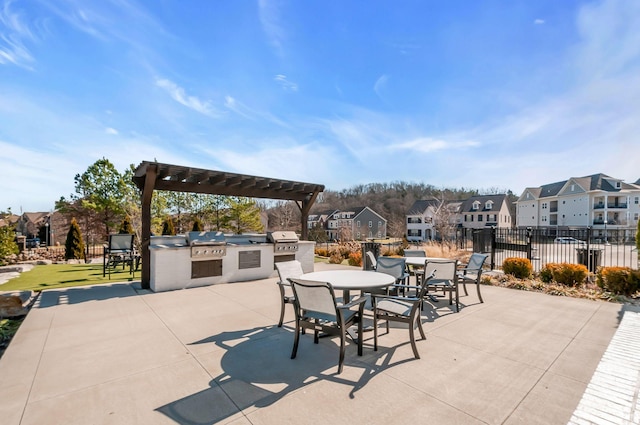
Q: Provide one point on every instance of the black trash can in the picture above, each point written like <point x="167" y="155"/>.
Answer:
<point x="589" y="258"/>
<point x="372" y="247"/>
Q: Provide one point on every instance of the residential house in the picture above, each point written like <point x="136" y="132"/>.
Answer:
<point x="51" y="228"/>
<point x="598" y="200"/>
<point x="355" y="224"/>
<point x="486" y="211"/>
<point x="319" y="219"/>
<point x="420" y="220"/>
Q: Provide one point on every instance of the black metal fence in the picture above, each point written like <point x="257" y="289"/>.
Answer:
<point x="543" y="246"/>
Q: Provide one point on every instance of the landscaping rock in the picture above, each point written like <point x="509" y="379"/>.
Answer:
<point x="11" y="306"/>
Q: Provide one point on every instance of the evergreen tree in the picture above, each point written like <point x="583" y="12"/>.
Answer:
<point x="167" y="227"/>
<point x="74" y="246"/>
<point x="197" y="225"/>
<point x="126" y="227"/>
<point x="8" y="245"/>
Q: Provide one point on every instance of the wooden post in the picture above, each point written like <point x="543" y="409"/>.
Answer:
<point x="147" y="194"/>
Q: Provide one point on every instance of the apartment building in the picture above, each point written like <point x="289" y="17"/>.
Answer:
<point x="600" y="201"/>
<point x="486" y="211"/>
<point x="421" y="219"/>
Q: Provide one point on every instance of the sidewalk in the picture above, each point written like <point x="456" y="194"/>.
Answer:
<point x="116" y="354"/>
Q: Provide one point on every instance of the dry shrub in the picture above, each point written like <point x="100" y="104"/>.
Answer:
<point x="564" y="273"/>
<point x="618" y="280"/>
<point x="321" y="252"/>
<point x="336" y="257"/>
<point x="355" y="259"/>
<point x="518" y="267"/>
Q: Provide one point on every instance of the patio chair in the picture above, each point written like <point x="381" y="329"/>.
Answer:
<point x="316" y="309"/>
<point x="400" y="309"/>
<point x="472" y="272"/>
<point x="119" y="250"/>
<point x="417" y="271"/>
<point x="372" y="259"/>
<point x="287" y="269"/>
<point x="444" y="278"/>
<point x="395" y="267"/>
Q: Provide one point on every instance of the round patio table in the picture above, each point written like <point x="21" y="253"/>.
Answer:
<point x="347" y="280"/>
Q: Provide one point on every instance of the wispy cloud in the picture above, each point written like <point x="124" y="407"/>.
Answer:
<point x="111" y="131"/>
<point x="285" y="83"/>
<point x="269" y="13"/>
<point x="380" y="85"/>
<point x="538" y="21"/>
<point x="428" y="145"/>
<point x="178" y="94"/>
<point x="13" y="32"/>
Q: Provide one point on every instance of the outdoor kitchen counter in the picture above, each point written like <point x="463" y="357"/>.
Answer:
<point x="172" y="266"/>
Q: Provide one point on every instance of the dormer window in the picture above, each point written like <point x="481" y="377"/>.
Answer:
<point x="475" y="205"/>
<point x="618" y="185"/>
<point x="488" y="205"/>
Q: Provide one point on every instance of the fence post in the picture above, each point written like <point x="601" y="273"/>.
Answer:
<point x="493" y="247"/>
<point x="529" y="244"/>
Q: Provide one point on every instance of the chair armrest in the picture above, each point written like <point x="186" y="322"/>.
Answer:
<point x="394" y="297"/>
<point x="352" y="303"/>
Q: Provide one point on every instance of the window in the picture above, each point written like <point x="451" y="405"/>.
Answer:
<point x="488" y="205"/>
<point x="370" y="224"/>
<point x="475" y="205"/>
<point x="635" y="216"/>
<point x="636" y="200"/>
<point x="379" y="224"/>
<point x="358" y="225"/>
<point x="379" y="234"/>
<point x="544" y="205"/>
<point x="357" y="235"/>
<point x="479" y="217"/>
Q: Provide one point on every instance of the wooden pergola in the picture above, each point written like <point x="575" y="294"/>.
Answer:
<point x="150" y="176"/>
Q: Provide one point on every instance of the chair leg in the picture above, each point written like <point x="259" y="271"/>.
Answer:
<point x="360" y="336"/>
<point x="419" y="323"/>
<point x="478" y="288"/>
<point x="413" y="341"/>
<point x="375" y="330"/>
<point x="464" y="286"/>
<point x="296" y="339"/>
<point x="281" y="312"/>
<point x="342" y="340"/>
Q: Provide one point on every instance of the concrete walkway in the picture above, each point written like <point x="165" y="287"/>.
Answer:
<point x="115" y="354"/>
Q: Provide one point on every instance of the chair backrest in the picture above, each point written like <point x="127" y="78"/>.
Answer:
<point x="314" y="297"/>
<point x="441" y="269"/>
<point x="414" y="253"/>
<point x="476" y="261"/>
<point x="372" y="259"/>
<point x="287" y="269"/>
<point x="392" y="266"/>
<point x="121" y="242"/>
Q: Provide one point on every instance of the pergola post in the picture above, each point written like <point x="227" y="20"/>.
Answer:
<point x="147" y="195"/>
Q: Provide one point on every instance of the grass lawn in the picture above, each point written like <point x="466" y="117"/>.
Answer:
<point x="63" y="276"/>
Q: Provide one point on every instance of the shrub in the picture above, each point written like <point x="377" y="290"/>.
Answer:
<point x="8" y="245"/>
<point x="74" y="246"/>
<point x="322" y="252"/>
<point x="517" y="267"/>
<point x="618" y="280"/>
<point x="564" y="273"/>
<point x="355" y="259"/>
<point x="197" y="225"/>
<point x="335" y="257"/>
<point x="168" y="227"/>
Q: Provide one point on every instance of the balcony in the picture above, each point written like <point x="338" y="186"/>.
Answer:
<point x="600" y="222"/>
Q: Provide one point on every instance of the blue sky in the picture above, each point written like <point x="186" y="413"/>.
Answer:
<point x="475" y="94"/>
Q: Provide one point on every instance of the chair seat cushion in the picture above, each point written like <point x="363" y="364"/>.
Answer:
<point x="394" y="306"/>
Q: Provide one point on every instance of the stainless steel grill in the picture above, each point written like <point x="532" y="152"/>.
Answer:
<point x="207" y="245"/>
<point x="285" y="242"/>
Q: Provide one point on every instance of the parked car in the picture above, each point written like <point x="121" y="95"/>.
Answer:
<point x="569" y="240"/>
<point x="33" y="243"/>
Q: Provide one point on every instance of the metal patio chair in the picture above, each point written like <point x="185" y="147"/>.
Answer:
<point x="444" y="277"/>
<point x="472" y="272"/>
<point x="317" y="310"/>
<point x="287" y="269"/>
<point x="417" y="271"/>
<point x="118" y="251"/>
<point x="400" y="309"/>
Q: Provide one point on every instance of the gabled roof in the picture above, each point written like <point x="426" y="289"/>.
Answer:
<point x="421" y="205"/>
<point x="34" y="217"/>
<point x="497" y="200"/>
<point x="592" y="182"/>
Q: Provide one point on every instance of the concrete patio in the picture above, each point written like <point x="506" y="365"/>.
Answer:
<point x="116" y="354"/>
